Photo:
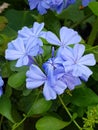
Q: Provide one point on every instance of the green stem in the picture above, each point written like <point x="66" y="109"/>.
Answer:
<point x="25" y="116"/>
<point x="18" y="124"/>
<point x="92" y="48"/>
<point x="69" y="113"/>
<point x="93" y="33"/>
<point x="81" y="21"/>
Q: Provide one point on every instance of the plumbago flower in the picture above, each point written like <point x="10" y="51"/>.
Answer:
<point x="1" y="84"/>
<point x="26" y="45"/>
<point x="34" y="33"/>
<point x="55" y="5"/>
<point x="73" y="60"/>
<point x="41" y="5"/>
<point x="67" y="37"/>
<point x="55" y="80"/>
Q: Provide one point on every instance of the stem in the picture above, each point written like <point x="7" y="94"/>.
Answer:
<point x="69" y="113"/>
<point x="18" y="124"/>
<point x="25" y="116"/>
<point x="93" y="33"/>
<point x="92" y="48"/>
<point x="81" y="21"/>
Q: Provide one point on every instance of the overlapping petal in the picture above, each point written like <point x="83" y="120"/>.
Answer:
<point x="35" y="77"/>
<point x="69" y="36"/>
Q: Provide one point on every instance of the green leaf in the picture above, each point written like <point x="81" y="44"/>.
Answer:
<point x="84" y="97"/>
<point x="5" y="108"/>
<point x="17" y="79"/>
<point x="3" y="22"/>
<point x="13" y="68"/>
<point x="72" y="13"/>
<point x="39" y="107"/>
<point x="54" y="24"/>
<point x="94" y="7"/>
<point x="17" y="19"/>
<point x="50" y="123"/>
<point x="95" y="72"/>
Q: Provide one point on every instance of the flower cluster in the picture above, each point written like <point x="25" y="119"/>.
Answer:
<point x="55" y="5"/>
<point x="26" y="45"/>
<point x="64" y="70"/>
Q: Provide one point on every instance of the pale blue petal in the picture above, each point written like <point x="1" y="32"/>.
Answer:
<point x="82" y="70"/>
<point x="69" y="36"/>
<point x="48" y="92"/>
<point x="35" y="73"/>
<point x="66" y="54"/>
<point x="35" y="77"/>
<point x="68" y="66"/>
<point x="77" y="70"/>
<point x="19" y="45"/>
<point x="25" y="33"/>
<point x="13" y="54"/>
<point x="87" y="60"/>
<point x="24" y="60"/>
<point x="52" y="38"/>
<point x="71" y="81"/>
<point x="33" y="83"/>
<point x="59" y="87"/>
<point x="78" y="51"/>
<point x="33" y="3"/>
<point x="37" y="27"/>
<point x="45" y="4"/>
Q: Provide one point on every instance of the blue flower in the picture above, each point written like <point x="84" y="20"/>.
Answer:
<point x="57" y="5"/>
<point x="1" y="84"/>
<point x="34" y="33"/>
<point x="75" y="62"/>
<point x="54" y="81"/>
<point x="41" y="5"/>
<point x="36" y="78"/>
<point x="26" y="45"/>
<point x="67" y="37"/>
<point x="67" y="78"/>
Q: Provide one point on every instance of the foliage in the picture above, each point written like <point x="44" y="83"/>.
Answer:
<point x="22" y="108"/>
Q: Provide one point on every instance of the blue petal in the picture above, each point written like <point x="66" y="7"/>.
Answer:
<point x="48" y="92"/>
<point x="59" y="87"/>
<point x="69" y="36"/>
<point x="33" y="3"/>
<point x="78" y="51"/>
<point x="24" y="60"/>
<point x="13" y="54"/>
<point x="71" y="81"/>
<point x="88" y="60"/>
<point x="37" y="28"/>
<point x="52" y="38"/>
<point x="35" y="77"/>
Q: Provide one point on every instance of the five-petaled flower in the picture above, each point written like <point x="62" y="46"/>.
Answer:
<point x="73" y="60"/>
<point x="26" y="45"/>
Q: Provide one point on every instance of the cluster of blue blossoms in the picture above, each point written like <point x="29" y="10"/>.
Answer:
<point x="64" y="70"/>
<point x="55" y="5"/>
